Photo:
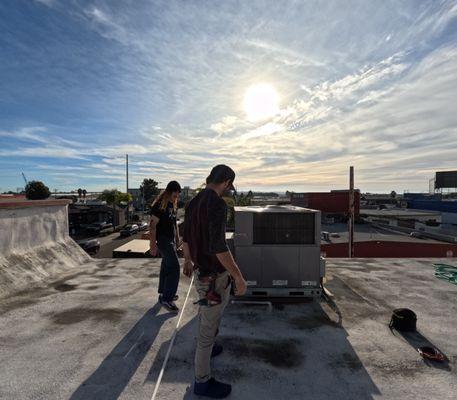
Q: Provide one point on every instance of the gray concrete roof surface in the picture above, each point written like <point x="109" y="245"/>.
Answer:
<point x="99" y="334"/>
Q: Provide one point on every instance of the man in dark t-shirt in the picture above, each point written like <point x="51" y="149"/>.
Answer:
<point x="205" y="232"/>
<point x="206" y="252"/>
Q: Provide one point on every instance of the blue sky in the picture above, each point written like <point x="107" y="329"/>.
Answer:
<point x="364" y="83"/>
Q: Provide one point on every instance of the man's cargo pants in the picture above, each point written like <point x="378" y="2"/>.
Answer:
<point x="209" y="318"/>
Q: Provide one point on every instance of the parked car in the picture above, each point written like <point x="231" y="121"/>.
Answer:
<point x="98" y="227"/>
<point x="129" y="229"/>
<point x="143" y="226"/>
<point x="90" y="246"/>
<point x="416" y="235"/>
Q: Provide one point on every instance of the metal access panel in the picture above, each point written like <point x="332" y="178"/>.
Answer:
<point x="280" y="266"/>
<point x="243" y="235"/>
<point x="310" y="267"/>
<point x="283" y="228"/>
<point x="249" y="260"/>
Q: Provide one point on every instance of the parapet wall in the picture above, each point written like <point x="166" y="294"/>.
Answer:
<point x="30" y="226"/>
<point x="35" y="244"/>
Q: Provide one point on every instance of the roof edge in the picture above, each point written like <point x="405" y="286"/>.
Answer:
<point x="33" y="203"/>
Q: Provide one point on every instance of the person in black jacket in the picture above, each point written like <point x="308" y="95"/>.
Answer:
<point x="164" y="236"/>
<point x="206" y="252"/>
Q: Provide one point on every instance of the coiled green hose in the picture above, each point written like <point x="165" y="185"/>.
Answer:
<point x="446" y="272"/>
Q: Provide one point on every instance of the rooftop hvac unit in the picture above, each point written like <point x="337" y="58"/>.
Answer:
<point x="278" y="250"/>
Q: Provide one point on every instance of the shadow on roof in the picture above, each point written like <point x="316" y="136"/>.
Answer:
<point x="112" y="376"/>
<point x="295" y="349"/>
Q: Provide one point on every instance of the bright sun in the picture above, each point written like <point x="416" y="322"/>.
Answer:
<point x="260" y="102"/>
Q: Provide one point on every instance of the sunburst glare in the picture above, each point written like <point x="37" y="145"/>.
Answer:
<point x="261" y="101"/>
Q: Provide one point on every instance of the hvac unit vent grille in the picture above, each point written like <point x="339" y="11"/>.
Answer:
<point x="283" y="228"/>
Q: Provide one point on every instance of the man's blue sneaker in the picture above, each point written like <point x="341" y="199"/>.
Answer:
<point x="175" y="298"/>
<point x="169" y="306"/>
<point x="217" y="349"/>
<point x="213" y="389"/>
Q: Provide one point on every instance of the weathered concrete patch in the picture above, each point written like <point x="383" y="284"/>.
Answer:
<point x="403" y="369"/>
<point x="65" y="287"/>
<point x="78" y="314"/>
<point x="23" y="299"/>
<point x="312" y="322"/>
<point x="346" y="361"/>
<point x="249" y="317"/>
<point x="231" y="374"/>
<point x="105" y="276"/>
<point x="278" y="353"/>
<point x="16" y="304"/>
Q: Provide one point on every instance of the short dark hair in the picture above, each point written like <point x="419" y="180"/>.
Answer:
<point x="221" y="173"/>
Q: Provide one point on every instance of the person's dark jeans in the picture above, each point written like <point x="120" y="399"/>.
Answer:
<point x="169" y="269"/>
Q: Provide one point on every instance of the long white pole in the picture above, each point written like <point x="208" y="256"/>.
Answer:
<point x="172" y="341"/>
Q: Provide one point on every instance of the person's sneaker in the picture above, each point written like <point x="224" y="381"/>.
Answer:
<point x="217" y="349"/>
<point x="213" y="389"/>
<point x="170" y="306"/>
<point x="176" y="298"/>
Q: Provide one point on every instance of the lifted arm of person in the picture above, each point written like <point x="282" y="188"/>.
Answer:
<point x="152" y="235"/>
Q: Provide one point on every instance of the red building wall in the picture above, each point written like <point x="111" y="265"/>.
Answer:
<point x="385" y="249"/>
<point x="336" y="202"/>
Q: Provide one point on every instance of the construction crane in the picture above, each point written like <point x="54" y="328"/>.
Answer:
<point x="25" y="179"/>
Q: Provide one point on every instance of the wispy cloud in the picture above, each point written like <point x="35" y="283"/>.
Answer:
<point x="27" y="133"/>
<point x="48" y="3"/>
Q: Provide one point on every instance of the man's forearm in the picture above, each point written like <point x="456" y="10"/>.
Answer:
<point x="186" y="251"/>
<point x="227" y="261"/>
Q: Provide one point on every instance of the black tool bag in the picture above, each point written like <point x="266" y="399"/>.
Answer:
<point x="403" y="320"/>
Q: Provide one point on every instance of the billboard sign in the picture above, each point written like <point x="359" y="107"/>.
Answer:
<point x="446" y="179"/>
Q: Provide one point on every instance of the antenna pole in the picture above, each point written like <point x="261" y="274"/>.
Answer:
<point x="127" y="173"/>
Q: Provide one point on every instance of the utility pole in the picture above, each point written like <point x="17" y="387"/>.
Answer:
<point x="127" y="184"/>
<point x="351" y="212"/>
<point x="127" y="173"/>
